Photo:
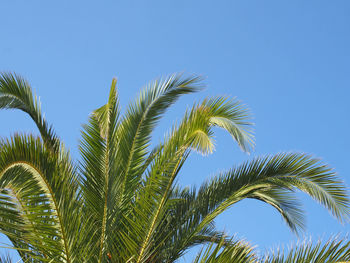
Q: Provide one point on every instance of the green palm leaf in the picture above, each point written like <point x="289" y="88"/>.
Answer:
<point x="223" y="252"/>
<point x="273" y="179"/>
<point x="35" y="177"/>
<point x="334" y="250"/>
<point x="194" y="132"/>
<point x="16" y="93"/>
<point x="121" y="201"/>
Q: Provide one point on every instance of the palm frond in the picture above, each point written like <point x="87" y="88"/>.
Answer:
<point x="333" y="250"/>
<point x="122" y="202"/>
<point x="140" y="120"/>
<point x="236" y="251"/>
<point x="98" y="149"/>
<point x="273" y="179"/>
<point x="232" y="116"/>
<point x="45" y="189"/>
<point x="133" y="133"/>
<point x="193" y="133"/>
<point x="16" y="93"/>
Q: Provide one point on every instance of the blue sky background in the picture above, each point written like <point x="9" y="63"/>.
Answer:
<point x="287" y="60"/>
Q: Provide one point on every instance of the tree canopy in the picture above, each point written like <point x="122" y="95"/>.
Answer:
<point x="121" y="202"/>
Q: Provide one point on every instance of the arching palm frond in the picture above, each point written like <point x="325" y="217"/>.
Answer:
<point x="273" y="179"/>
<point x="335" y="250"/>
<point x="16" y="93"/>
<point x="121" y="202"/>
<point x="111" y="180"/>
<point x="193" y="133"/>
<point x="56" y="186"/>
<point x="140" y="120"/>
<point x="224" y="252"/>
<point x="232" y="116"/>
<point x="43" y="192"/>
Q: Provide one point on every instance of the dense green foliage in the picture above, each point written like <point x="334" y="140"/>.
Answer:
<point x="121" y="202"/>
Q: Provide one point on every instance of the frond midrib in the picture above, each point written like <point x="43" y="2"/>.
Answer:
<point x="49" y="191"/>
<point x="133" y="146"/>
<point x="24" y="210"/>
<point x="143" y="247"/>
<point x="104" y="217"/>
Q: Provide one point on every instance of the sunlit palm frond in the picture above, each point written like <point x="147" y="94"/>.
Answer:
<point x="335" y="250"/>
<point x="232" y="116"/>
<point x="236" y="251"/>
<point x="273" y="179"/>
<point x="140" y="120"/>
<point x="193" y="133"/>
<point x="98" y="149"/>
<point x="16" y="93"/>
<point x="44" y="189"/>
<point x="134" y="133"/>
<point x="122" y="203"/>
<point x="26" y="216"/>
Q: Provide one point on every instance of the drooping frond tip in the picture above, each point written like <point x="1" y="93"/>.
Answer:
<point x="122" y="203"/>
<point x="16" y="93"/>
<point x="223" y="112"/>
<point x="234" y="117"/>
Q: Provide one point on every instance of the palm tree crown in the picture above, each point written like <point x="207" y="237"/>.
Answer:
<point x="121" y="202"/>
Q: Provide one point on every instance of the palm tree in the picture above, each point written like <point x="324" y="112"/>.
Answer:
<point x="120" y="202"/>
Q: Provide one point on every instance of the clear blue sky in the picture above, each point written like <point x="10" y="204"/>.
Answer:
<point x="287" y="60"/>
